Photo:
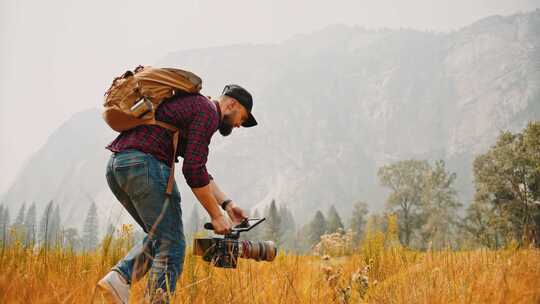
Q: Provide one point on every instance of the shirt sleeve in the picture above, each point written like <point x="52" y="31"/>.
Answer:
<point x="196" y="155"/>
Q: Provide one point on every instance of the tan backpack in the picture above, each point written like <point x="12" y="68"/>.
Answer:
<point x="133" y="97"/>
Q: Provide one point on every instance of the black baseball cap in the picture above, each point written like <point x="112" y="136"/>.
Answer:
<point x="244" y="98"/>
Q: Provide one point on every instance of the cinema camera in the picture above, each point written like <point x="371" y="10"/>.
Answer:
<point x="224" y="252"/>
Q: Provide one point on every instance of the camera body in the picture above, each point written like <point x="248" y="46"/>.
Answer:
<point x="221" y="252"/>
<point x="224" y="252"/>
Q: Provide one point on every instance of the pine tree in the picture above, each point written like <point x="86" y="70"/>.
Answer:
<point x="317" y="227"/>
<point x="333" y="222"/>
<point x="358" y="220"/>
<point x="19" y="220"/>
<point x="18" y="224"/>
<point x="4" y="225"/>
<point x="272" y="230"/>
<point x="90" y="229"/>
<point x="287" y="219"/>
<point x="71" y="239"/>
<point x="302" y="242"/>
<point x="1" y="223"/>
<point x="288" y="228"/>
<point x="7" y="220"/>
<point x="55" y="226"/>
<point x="30" y="225"/>
<point x="45" y="225"/>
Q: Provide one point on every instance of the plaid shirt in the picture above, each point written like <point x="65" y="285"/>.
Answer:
<point x="196" y="117"/>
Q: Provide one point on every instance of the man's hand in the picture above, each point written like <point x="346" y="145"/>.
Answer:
<point x="221" y="224"/>
<point x="236" y="213"/>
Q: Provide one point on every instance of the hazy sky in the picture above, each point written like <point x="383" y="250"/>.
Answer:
<point x="57" y="57"/>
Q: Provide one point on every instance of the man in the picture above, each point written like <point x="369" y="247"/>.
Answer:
<point x="137" y="174"/>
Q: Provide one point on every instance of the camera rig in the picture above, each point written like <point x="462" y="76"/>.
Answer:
<point x="224" y="252"/>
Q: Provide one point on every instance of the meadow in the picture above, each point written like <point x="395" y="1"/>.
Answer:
<point x="380" y="270"/>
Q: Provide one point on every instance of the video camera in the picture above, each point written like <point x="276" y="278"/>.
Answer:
<point x="224" y="252"/>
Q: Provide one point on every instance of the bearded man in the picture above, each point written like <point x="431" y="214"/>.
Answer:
<point x="138" y="172"/>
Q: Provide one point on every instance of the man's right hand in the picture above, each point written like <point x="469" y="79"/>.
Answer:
<point x="222" y="225"/>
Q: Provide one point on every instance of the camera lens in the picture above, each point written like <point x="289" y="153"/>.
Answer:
<point x="257" y="250"/>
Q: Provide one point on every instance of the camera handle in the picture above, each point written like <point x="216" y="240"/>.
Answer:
<point x="244" y="226"/>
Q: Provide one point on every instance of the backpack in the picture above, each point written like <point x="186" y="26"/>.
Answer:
<point x="133" y="97"/>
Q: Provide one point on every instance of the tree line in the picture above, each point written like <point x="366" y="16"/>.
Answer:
<point x="505" y="208"/>
<point x="49" y="232"/>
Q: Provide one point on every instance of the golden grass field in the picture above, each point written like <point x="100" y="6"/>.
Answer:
<point x="375" y="272"/>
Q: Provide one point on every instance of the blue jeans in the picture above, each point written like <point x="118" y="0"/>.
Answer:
<point x="139" y="181"/>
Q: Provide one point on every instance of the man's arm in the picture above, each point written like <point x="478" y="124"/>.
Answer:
<point x="234" y="212"/>
<point x="194" y="169"/>
<point x="218" y="194"/>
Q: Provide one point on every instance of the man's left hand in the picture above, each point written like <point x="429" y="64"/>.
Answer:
<point x="236" y="213"/>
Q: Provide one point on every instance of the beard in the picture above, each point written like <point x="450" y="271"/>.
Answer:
<point x="225" y="127"/>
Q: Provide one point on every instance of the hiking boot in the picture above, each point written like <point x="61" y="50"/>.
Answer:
<point x="115" y="288"/>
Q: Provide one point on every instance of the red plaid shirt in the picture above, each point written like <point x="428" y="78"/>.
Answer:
<point x="196" y="117"/>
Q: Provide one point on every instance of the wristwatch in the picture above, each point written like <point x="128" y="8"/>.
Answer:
<point x="225" y="203"/>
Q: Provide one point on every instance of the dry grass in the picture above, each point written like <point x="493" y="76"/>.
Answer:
<point x="380" y="271"/>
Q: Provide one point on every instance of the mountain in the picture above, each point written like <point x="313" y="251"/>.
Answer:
<point x="333" y="106"/>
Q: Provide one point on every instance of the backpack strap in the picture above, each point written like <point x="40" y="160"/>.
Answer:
<point x="176" y="135"/>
